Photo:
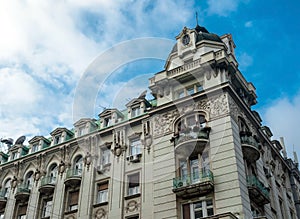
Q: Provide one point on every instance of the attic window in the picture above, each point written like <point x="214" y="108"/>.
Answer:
<point x="57" y="139"/>
<point x="107" y="122"/>
<point x="14" y="155"/>
<point x="81" y="131"/>
<point x="35" y="148"/>
<point x="135" y="111"/>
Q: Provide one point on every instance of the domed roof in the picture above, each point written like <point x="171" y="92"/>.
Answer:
<point x="202" y="34"/>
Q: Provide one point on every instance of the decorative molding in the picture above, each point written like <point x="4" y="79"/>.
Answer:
<point x="214" y="106"/>
<point x="100" y="214"/>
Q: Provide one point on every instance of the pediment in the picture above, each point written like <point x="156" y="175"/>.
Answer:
<point x="36" y="139"/>
<point x="109" y="112"/>
<point x="59" y="131"/>
<point x="83" y="121"/>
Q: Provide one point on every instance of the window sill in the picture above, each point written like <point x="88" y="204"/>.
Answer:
<point x="132" y="196"/>
<point x="100" y="204"/>
<point x="71" y="212"/>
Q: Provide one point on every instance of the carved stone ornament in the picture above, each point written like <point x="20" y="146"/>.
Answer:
<point x="208" y="75"/>
<point x="61" y="167"/>
<point x="37" y="175"/>
<point x="132" y="206"/>
<point x="214" y="106"/>
<point x="100" y="214"/>
<point x="87" y="160"/>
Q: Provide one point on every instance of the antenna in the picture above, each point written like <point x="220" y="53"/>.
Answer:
<point x="296" y="158"/>
<point x="197" y="18"/>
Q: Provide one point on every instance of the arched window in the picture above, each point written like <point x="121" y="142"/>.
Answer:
<point x="53" y="173"/>
<point x="78" y="163"/>
<point x="6" y="188"/>
<point x="28" y="182"/>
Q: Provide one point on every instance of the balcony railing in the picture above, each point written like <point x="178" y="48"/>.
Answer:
<point x="74" y="173"/>
<point x="257" y="191"/>
<point x="249" y="140"/>
<point x="48" y="180"/>
<point x="202" y="176"/>
<point x="250" y="147"/>
<point x="23" y="192"/>
<point x="192" y="185"/>
<point x="191" y="133"/>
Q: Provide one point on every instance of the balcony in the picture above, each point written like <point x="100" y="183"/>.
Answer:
<point x="250" y="147"/>
<point x="194" y="185"/>
<point x="23" y="192"/>
<point x="191" y="141"/>
<point x="73" y="177"/>
<point x="47" y="185"/>
<point x="3" y="199"/>
<point x="257" y="191"/>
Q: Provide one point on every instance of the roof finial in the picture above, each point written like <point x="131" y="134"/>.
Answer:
<point x="197" y="18"/>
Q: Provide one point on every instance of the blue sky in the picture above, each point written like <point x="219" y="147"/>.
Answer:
<point x="46" y="46"/>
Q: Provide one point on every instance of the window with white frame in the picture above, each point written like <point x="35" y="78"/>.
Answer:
<point x="35" y="148"/>
<point x="198" y="209"/>
<point x="105" y="156"/>
<point x="135" y="111"/>
<point x="14" y="155"/>
<point x="53" y="171"/>
<point x="133" y="184"/>
<point x="135" y="147"/>
<point x="107" y="122"/>
<point x="47" y="208"/>
<point x="73" y="200"/>
<point x="7" y="185"/>
<point x="190" y="90"/>
<point x="29" y="180"/>
<point x="57" y="139"/>
<point x="81" y="131"/>
<point x="102" y="193"/>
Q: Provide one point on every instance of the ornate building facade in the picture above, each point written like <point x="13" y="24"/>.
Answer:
<point x="196" y="150"/>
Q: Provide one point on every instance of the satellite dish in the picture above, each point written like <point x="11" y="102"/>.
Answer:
<point x="20" y="140"/>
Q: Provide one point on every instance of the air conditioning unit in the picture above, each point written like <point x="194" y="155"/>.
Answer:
<point x="134" y="158"/>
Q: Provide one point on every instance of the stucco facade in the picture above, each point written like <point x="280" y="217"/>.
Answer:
<point x="196" y="150"/>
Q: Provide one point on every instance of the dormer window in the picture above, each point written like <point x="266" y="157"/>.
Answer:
<point x="14" y="155"/>
<point x="107" y="122"/>
<point x="35" y="148"/>
<point x="57" y="139"/>
<point x="81" y="131"/>
<point x="135" y="111"/>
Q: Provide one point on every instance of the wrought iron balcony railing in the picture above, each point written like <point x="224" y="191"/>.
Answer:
<point x="252" y="181"/>
<point x="187" y="180"/>
<point x="23" y="188"/>
<point x="48" y="180"/>
<point x="191" y="133"/>
<point x="249" y="140"/>
<point x="74" y="173"/>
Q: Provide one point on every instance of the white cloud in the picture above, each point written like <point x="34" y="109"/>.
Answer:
<point x="245" y="60"/>
<point x="45" y="47"/>
<point x="223" y="7"/>
<point x="282" y="116"/>
<point x="248" y="24"/>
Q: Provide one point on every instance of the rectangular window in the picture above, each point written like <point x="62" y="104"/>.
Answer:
<point x="81" y="131"/>
<point x="198" y="210"/>
<point x="35" y="148"/>
<point x="14" y="155"/>
<point x="73" y="200"/>
<point x="22" y="212"/>
<point x="56" y="139"/>
<point x="105" y="158"/>
<point x="190" y="90"/>
<point x="47" y="208"/>
<point x="135" y="147"/>
<point x="180" y="93"/>
<point x="135" y="112"/>
<point x="199" y="88"/>
<point x="102" y="195"/>
<point x="134" y="184"/>
<point x="107" y="122"/>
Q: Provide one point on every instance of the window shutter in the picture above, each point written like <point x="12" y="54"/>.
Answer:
<point x="73" y="198"/>
<point x="22" y="210"/>
<point x="103" y="186"/>
<point x="134" y="180"/>
<point x="186" y="211"/>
